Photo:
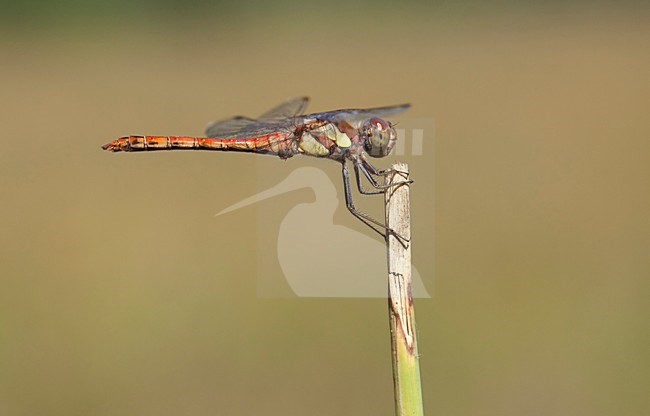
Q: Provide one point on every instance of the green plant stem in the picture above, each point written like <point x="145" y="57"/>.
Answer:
<point x="404" y="347"/>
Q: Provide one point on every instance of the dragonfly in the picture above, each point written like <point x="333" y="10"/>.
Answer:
<point x="345" y="136"/>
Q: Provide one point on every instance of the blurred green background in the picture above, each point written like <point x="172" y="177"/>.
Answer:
<point x="122" y="294"/>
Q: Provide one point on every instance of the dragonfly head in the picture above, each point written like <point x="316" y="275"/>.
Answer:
<point x="379" y="137"/>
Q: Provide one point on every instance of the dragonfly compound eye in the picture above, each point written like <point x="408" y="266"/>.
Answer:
<point x="380" y="137"/>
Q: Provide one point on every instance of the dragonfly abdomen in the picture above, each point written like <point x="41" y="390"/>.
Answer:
<point x="277" y="144"/>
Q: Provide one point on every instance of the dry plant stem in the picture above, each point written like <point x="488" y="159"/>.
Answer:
<point x="404" y="347"/>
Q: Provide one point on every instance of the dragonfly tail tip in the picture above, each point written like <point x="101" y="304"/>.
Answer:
<point x="112" y="146"/>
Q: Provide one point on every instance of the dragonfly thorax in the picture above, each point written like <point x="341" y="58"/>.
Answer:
<point x="379" y="137"/>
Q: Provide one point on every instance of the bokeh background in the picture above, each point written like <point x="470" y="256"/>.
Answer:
<point x="122" y="294"/>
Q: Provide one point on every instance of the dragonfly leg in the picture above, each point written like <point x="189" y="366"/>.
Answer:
<point x="359" y="167"/>
<point x="365" y="218"/>
<point x="373" y="169"/>
<point x="367" y="168"/>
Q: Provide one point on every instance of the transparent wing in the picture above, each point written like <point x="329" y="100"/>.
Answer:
<point x="283" y="118"/>
<point x="290" y="108"/>
<point x="243" y="128"/>
<point x="220" y="128"/>
<point x="358" y="116"/>
<point x="276" y="119"/>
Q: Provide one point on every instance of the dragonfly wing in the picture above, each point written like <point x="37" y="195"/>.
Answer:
<point x="358" y="116"/>
<point x="244" y="128"/>
<point x="288" y="109"/>
<point x="276" y="119"/>
<point x="225" y="128"/>
<point x="283" y="118"/>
